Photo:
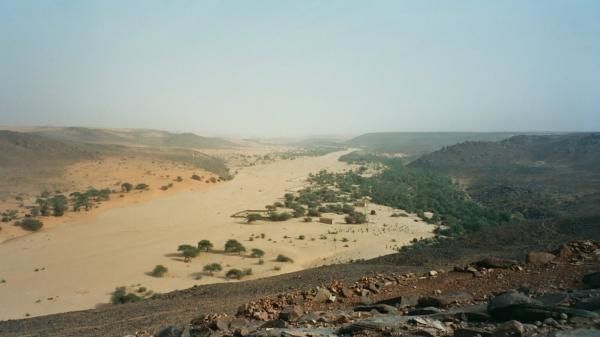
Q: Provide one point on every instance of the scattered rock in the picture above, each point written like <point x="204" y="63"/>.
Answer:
<point x="471" y="332"/>
<point x="170" y="331"/>
<point x="444" y="301"/>
<point x="365" y="300"/>
<point x="381" y="308"/>
<point x="323" y="295"/>
<point x="424" y="311"/>
<point x="347" y="293"/>
<point x="237" y="323"/>
<point x="509" y="329"/>
<point x="291" y="313"/>
<point x="540" y="258"/>
<point x="276" y="323"/>
<point x="495" y="262"/>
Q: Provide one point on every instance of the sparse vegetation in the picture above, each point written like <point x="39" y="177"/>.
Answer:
<point x="9" y="215"/>
<point x="257" y="253"/>
<point x="188" y="251"/>
<point x="122" y="296"/>
<point x="355" y="218"/>
<point x="159" y="270"/>
<point x="234" y="274"/>
<point x="283" y="216"/>
<point x="31" y="224"/>
<point x="234" y="246"/>
<point x="212" y="268"/>
<point x="142" y="186"/>
<point x="283" y="258"/>
<point x="205" y="245"/>
<point x="126" y="187"/>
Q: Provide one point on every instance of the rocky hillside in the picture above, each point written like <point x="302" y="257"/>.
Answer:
<point x="539" y="176"/>
<point x="414" y="144"/>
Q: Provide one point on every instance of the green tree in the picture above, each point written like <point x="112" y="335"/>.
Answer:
<point x="126" y="187"/>
<point x="59" y="204"/>
<point x="205" y="245"/>
<point x="211" y="268"/>
<point x="234" y="246"/>
<point x="188" y="251"/>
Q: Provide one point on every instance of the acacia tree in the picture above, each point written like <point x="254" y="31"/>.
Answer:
<point x="234" y="246"/>
<point x="188" y="251"/>
<point x="205" y="245"/>
<point x="212" y="268"/>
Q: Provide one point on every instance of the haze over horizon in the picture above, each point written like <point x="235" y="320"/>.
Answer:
<point x="277" y="69"/>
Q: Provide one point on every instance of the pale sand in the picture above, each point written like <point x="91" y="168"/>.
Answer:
<point x="84" y="261"/>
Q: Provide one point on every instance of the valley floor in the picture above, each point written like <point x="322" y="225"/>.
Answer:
<point x="77" y="265"/>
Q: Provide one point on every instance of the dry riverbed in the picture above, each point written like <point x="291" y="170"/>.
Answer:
<point x="78" y="264"/>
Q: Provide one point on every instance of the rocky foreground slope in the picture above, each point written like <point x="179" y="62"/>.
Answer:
<point x="553" y="294"/>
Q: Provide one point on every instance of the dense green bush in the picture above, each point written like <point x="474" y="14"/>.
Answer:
<point x="355" y="218"/>
<point x="257" y="252"/>
<point x="31" y="224"/>
<point x="212" y="268"/>
<point x="283" y="216"/>
<point x="234" y="274"/>
<point x="417" y="191"/>
<point x="121" y="296"/>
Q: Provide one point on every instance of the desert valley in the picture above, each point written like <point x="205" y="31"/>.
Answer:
<point x="339" y="168"/>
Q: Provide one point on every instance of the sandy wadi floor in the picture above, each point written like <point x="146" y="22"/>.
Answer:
<point x="80" y="263"/>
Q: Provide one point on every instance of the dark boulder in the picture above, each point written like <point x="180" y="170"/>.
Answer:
<point x="291" y="313"/>
<point x="381" y="308"/>
<point x="170" y="331"/>
<point x="496" y="262"/>
<point x="446" y="300"/>
<point x="592" y="280"/>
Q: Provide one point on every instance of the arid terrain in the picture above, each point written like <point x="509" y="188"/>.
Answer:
<point x="133" y="219"/>
<point x="77" y="260"/>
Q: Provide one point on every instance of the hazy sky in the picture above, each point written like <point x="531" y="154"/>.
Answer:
<point x="276" y="68"/>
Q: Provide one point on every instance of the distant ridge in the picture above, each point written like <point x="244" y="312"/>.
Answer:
<point x="17" y="148"/>
<point x="576" y="151"/>
<point x="139" y="137"/>
<point x="416" y="143"/>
